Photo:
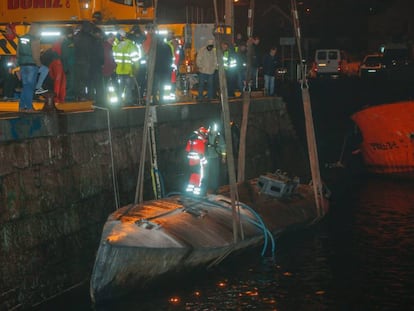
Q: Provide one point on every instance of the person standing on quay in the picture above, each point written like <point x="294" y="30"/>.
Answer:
<point x="28" y="58"/>
<point x="207" y="64"/>
<point x="109" y="66"/>
<point x="253" y="44"/>
<point x="68" y="61"/>
<point x="52" y="61"/>
<point x="126" y="56"/>
<point x="83" y="47"/>
<point x="270" y="63"/>
<point x="162" y="72"/>
<point x="97" y="62"/>
<point x="241" y="56"/>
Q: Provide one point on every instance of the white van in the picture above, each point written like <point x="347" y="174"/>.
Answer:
<point x="329" y="62"/>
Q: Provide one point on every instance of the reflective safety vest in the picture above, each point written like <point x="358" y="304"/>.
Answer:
<point x="171" y="45"/>
<point x="196" y="148"/>
<point x="126" y="54"/>
<point x="175" y="61"/>
<point x="229" y="61"/>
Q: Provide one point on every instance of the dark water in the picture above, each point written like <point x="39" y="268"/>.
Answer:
<point x="360" y="257"/>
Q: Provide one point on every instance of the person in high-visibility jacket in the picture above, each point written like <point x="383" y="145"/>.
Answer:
<point x="204" y="148"/>
<point x="172" y="43"/>
<point x="126" y="56"/>
<point x="196" y="149"/>
<point x="230" y="67"/>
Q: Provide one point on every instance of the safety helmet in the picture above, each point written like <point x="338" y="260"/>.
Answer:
<point x="97" y="16"/>
<point x="202" y="130"/>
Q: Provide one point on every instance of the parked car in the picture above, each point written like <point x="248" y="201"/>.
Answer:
<point x="396" y="56"/>
<point x="372" y="66"/>
<point x="329" y="62"/>
<point x="398" y="62"/>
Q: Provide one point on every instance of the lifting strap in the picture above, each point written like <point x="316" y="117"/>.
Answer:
<point x="227" y="133"/>
<point x="246" y="100"/>
<point x="310" y="131"/>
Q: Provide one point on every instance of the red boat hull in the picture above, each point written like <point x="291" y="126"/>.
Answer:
<point x="388" y="138"/>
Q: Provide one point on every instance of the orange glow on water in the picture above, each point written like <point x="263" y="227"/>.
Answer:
<point x="252" y="293"/>
<point x="222" y="284"/>
<point x="270" y="301"/>
<point x="175" y="300"/>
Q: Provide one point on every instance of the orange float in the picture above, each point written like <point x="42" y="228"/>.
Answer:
<point x="387" y="145"/>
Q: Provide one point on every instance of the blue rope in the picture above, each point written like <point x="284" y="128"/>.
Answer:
<point x="263" y="226"/>
<point x="260" y="225"/>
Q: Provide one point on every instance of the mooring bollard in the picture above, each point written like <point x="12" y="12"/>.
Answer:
<point x="49" y="105"/>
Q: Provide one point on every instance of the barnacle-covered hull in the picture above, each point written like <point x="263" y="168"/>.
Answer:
<point x="141" y="243"/>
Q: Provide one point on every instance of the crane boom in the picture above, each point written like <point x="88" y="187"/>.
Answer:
<point x="16" y="15"/>
<point x="72" y="11"/>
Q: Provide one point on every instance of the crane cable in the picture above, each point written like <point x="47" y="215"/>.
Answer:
<point x="310" y="131"/>
<point x="139" y="196"/>
<point x="246" y="98"/>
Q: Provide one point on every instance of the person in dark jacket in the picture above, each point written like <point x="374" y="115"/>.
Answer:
<point x="83" y="41"/>
<point x="97" y="62"/>
<point x="68" y="61"/>
<point x="109" y="66"/>
<point x="28" y="58"/>
<point x="162" y="70"/>
<point x="270" y="63"/>
<point x="8" y="76"/>
<point x="253" y="44"/>
<point x="241" y="55"/>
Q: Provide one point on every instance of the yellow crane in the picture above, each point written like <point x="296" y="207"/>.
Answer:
<point x="53" y="15"/>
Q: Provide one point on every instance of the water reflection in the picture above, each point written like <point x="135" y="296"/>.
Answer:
<point x="384" y="240"/>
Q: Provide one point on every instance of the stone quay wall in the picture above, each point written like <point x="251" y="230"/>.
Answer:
<point x="57" y="186"/>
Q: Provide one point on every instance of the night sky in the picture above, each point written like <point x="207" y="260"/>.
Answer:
<point x="356" y="25"/>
